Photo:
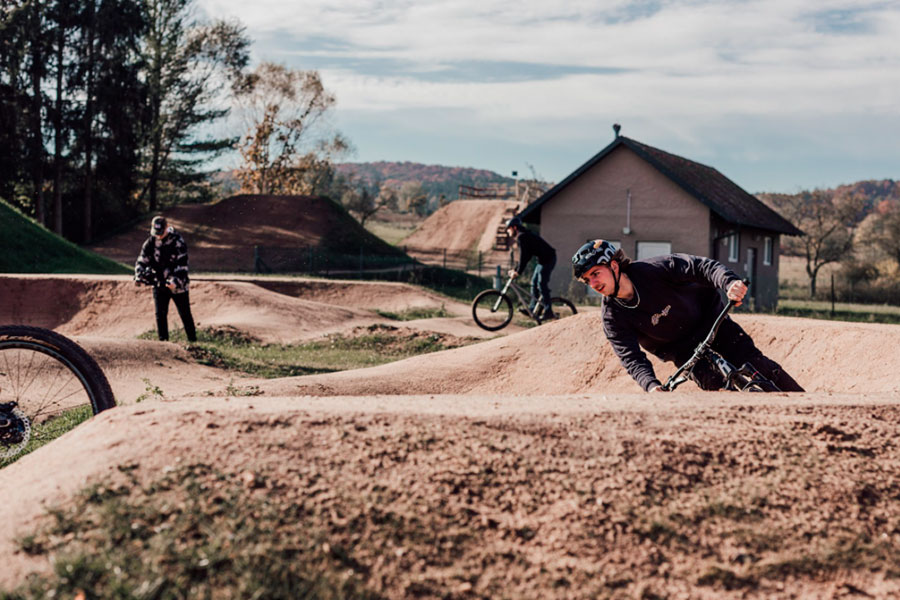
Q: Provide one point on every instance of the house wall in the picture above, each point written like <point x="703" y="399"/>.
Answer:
<point x="764" y="282"/>
<point x="595" y="206"/>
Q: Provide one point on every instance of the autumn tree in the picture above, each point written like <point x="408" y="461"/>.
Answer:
<point x="829" y="222"/>
<point x="412" y="197"/>
<point x="288" y="146"/>
<point x="882" y="230"/>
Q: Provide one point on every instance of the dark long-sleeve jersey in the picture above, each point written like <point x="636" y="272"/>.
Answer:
<point x="163" y="262"/>
<point x="679" y="300"/>
<point x="531" y="245"/>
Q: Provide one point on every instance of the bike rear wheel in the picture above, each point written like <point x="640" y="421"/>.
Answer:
<point x="48" y="384"/>
<point x="492" y="310"/>
<point x="562" y="308"/>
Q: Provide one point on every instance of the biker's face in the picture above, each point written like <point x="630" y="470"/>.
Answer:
<point x="601" y="278"/>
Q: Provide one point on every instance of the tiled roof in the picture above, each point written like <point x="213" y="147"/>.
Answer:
<point x="721" y="195"/>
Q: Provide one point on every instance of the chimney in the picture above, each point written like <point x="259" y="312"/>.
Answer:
<point x="616" y="128"/>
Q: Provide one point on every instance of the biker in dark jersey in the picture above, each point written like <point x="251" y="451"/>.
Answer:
<point x="531" y="245"/>
<point x="666" y="305"/>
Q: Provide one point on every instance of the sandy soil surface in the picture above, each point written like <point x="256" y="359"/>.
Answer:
<point x="560" y="477"/>
<point x="461" y="227"/>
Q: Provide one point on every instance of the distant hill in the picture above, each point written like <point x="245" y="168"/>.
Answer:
<point x="30" y="248"/>
<point x="876" y="192"/>
<point x="437" y="180"/>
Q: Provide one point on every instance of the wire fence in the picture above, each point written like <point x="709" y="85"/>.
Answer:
<point x="318" y="261"/>
<point x="471" y="261"/>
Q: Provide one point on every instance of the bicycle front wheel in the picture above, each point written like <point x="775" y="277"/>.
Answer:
<point x="492" y="310"/>
<point x="562" y="308"/>
<point x="48" y="385"/>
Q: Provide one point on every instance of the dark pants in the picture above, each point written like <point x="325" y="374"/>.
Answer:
<point x="540" y="284"/>
<point x="733" y="343"/>
<point x="161" y="297"/>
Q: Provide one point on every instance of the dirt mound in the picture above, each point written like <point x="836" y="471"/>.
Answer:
<point x="141" y="370"/>
<point x="492" y="496"/>
<point x="462" y="226"/>
<point x="529" y="465"/>
<point x="572" y="356"/>
<point x="221" y="236"/>
<point x="275" y="310"/>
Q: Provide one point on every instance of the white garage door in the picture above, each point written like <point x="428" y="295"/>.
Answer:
<point x="649" y="249"/>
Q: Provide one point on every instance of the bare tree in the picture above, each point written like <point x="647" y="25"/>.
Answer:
<point x="829" y="222"/>
<point x="364" y="203"/>
<point x="288" y="147"/>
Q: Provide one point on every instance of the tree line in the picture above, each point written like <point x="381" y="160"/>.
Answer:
<point x="856" y="227"/>
<point x="110" y="109"/>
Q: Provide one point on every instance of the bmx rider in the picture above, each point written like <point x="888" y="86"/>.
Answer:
<point x="532" y="245"/>
<point x="666" y="305"/>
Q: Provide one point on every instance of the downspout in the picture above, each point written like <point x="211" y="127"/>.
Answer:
<point x="627" y="229"/>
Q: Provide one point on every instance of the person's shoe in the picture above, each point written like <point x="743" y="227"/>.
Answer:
<point x="524" y="311"/>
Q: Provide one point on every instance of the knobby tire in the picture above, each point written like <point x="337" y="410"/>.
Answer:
<point x="484" y="314"/>
<point x="50" y="378"/>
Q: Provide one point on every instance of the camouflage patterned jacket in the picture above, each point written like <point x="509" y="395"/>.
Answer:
<point x="162" y="262"/>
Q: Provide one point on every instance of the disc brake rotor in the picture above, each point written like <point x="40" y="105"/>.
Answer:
<point x="11" y="445"/>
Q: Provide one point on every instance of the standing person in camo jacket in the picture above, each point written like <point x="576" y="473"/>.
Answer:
<point x="163" y="264"/>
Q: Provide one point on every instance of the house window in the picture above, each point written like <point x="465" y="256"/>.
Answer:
<point x="649" y="249"/>
<point x="733" y="248"/>
<point x="767" y="250"/>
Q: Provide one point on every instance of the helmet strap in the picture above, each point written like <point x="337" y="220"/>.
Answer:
<point x="617" y="275"/>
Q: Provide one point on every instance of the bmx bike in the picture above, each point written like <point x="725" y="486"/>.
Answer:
<point x="48" y="384"/>
<point x="743" y="379"/>
<point x="494" y="309"/>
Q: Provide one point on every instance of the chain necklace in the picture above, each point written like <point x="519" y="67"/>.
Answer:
<point x="637" y="301"/>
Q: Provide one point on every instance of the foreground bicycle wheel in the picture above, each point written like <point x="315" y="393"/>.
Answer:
<point x="492" y="310"/>
<point x="48" y="384"/>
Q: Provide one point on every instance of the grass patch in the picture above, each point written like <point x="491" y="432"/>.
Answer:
<point x="46" y="432"/>
<point x="849" y="551"/>
<point x="415" y="313"/>
<point x="194" y="533"/>
<point x="28" y="247"/>
<point x="392" y="233"/>
<point x="814" y="309"/>
<point x="232" y="350"/>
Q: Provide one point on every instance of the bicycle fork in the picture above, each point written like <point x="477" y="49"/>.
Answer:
<point x="735" y="379"/>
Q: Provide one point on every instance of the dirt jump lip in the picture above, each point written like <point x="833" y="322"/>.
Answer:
<point x="557" y="358"/>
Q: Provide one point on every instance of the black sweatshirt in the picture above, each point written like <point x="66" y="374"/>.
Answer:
<point x="531" y="244"/>
<point x="679" y="300"/>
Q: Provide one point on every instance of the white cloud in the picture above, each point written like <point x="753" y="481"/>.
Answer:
<point x="675" y="66"/>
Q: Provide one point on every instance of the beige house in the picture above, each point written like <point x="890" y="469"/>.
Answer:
<point x="651" y="202"/>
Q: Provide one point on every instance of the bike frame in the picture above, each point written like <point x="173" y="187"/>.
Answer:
<point x="735" y="379"/>
<point x="520" y="295"/>
<point x="681" y="375"/>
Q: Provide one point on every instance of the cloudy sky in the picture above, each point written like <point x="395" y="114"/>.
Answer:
<point x="779" y="95"/>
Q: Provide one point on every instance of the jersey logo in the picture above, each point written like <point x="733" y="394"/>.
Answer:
<point x="663" y="313"/>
